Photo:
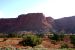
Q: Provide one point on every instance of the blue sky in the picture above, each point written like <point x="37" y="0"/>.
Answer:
<point x="53" y="8"/>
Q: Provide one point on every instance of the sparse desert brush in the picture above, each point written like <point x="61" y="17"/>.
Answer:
<point x="30" y="40"/>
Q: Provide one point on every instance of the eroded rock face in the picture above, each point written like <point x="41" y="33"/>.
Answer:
<point x="7" y="25"/>
<point x="51" y="21"/>
<point x="36" y="22"/>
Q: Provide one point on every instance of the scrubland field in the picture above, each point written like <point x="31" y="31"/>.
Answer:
<point x="32" y="41"/>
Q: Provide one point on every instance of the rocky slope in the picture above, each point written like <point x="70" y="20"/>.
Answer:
<point x="35" y="22"/>
<point x="66" y="24"/>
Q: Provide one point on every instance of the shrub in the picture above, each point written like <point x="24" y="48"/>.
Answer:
<point x="30" y="40"/>
<point x="3" y="35"/>
<point x="14" y="35"/>
<point x="41" y="35"/>
<point x="72" y="37"/>
<point x="61" y="37"/>
<point x="64" y="46"/>
<point x="54" y="37"/>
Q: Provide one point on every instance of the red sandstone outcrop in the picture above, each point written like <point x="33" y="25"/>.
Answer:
<point x="36" y="22"/>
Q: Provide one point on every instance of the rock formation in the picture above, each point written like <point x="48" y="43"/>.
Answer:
<point x="26" y="22"/>
<point x="67" y="24"/>
<point x="37" y="22"/>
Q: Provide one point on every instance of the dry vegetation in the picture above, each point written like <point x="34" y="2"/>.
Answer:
<point x="46" y="42"/>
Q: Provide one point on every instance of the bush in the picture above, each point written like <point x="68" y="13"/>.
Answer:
<point x="64" y="46"/>
<point x="3" y="35"/>
<point x="30" y="40"/>
<point x="54" y="37"/>
<point x="41" y="35"/>
<point x="72" y="37"/>
<point x="61" y="37"/>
